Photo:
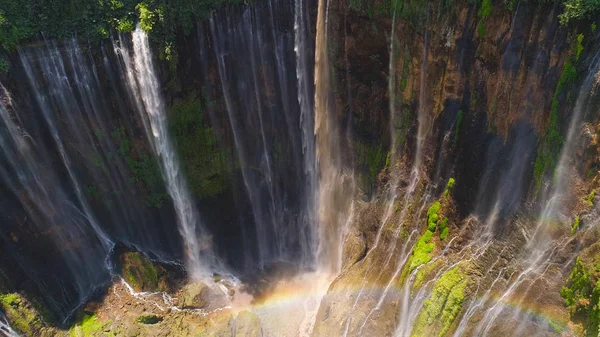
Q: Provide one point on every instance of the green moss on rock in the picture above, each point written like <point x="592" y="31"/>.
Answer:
<point x="575" y="225"/>
<point x="424" y="272"/>
<point x="422" y="251"/>
<point x="21" y="314"/>
<point x="87" y="325"/>
<point x="444" y="304"/>
<point x="206" y="166"/>
<point x="141" y="273"/>
<point x="590" y="198"/>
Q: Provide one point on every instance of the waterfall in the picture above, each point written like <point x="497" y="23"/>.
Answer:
<point x="335" y="190"/>
<point x="78" y="244"/>
<point x="5" y="329"/>
<point x="306" y="102"/>
<point x="540" y="247"/>
<point x="269" y="117"/>
<point x="145" y="89"/>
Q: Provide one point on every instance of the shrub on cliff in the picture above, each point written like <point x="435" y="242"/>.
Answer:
<point x="432" y="216"/>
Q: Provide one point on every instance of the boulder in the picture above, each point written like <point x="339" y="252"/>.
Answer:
<point x="247" y="324"/>
<point x="21" y="314"/>
<point x="141" y="273"/>
<point x="195" y="296"/>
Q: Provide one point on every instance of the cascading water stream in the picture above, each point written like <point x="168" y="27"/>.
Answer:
<point x="80" y="245"/>
<point x="5" y="329"/>
<point x="145" y="88"/>
<point x="540" y="248"/>
<point x="306" y="102"/>
<point x="335" y="189"/>
<point x="277" y="168"/>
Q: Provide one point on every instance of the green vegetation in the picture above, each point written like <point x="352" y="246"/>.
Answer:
<point x="582" y="294"/>
<point x="371" y="159"/>
<point x="205" y="165"/>
<point x="552" y="140"/>
<point x="421" y="251"/>
<point x="590" y="198"/>
<point x="557" y="327"/>
<point x="484" y="12"/>
<point x="432" y="216"/>
<point x="149" y="319"/>
<point x="444" y="304"/>
<point x="444" y="229"/>
<point x="20" y="314"/>
<point x="402" y="127"/>
<point x="21" y="21"/>
<point x="87" y="325"/>
<point x="575" y="225"/>
<point x="449" y="186"/>
<point x="388" y="159"/>
<point x="424" y="271"/>
<point x="140" y="273"/>
<point x="143" y="167"/>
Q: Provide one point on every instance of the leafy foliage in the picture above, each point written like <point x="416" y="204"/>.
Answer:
<point x="582" y="295"/>
<point x="24" y="20"/>
<point x="578" y="9"/>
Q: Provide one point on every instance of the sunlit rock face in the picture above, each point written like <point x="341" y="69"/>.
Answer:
<point x="306" y="168"/>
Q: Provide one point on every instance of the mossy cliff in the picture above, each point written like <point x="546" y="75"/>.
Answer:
<point x="493" y="86"/>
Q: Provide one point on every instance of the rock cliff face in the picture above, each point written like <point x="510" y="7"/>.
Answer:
<point x="492" y="93"/>
<point x="455" y="115"/>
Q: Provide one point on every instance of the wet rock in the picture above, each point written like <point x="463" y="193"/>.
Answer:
<point x="21" y="314"/>
<point x="247" y="324"/>
<point x="132" y="331"/>
<point x="355" y="248"/>
<point x="141" y="273"/>
<point x="149" y="319"/>
<point x="195" y="296"/>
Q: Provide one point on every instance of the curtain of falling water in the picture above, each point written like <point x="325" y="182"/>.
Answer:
<point x="335" y="191"/>
<point x="5" y="329"/>
<point x="541" y="247"/>
<point x="71" y="179"/>
<point x="145" y="89"/>
<point x="79" y="246"/>
<point x="304" y="67"/>
<point x="67" y="78"/>
<point x="268" y="112"/>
